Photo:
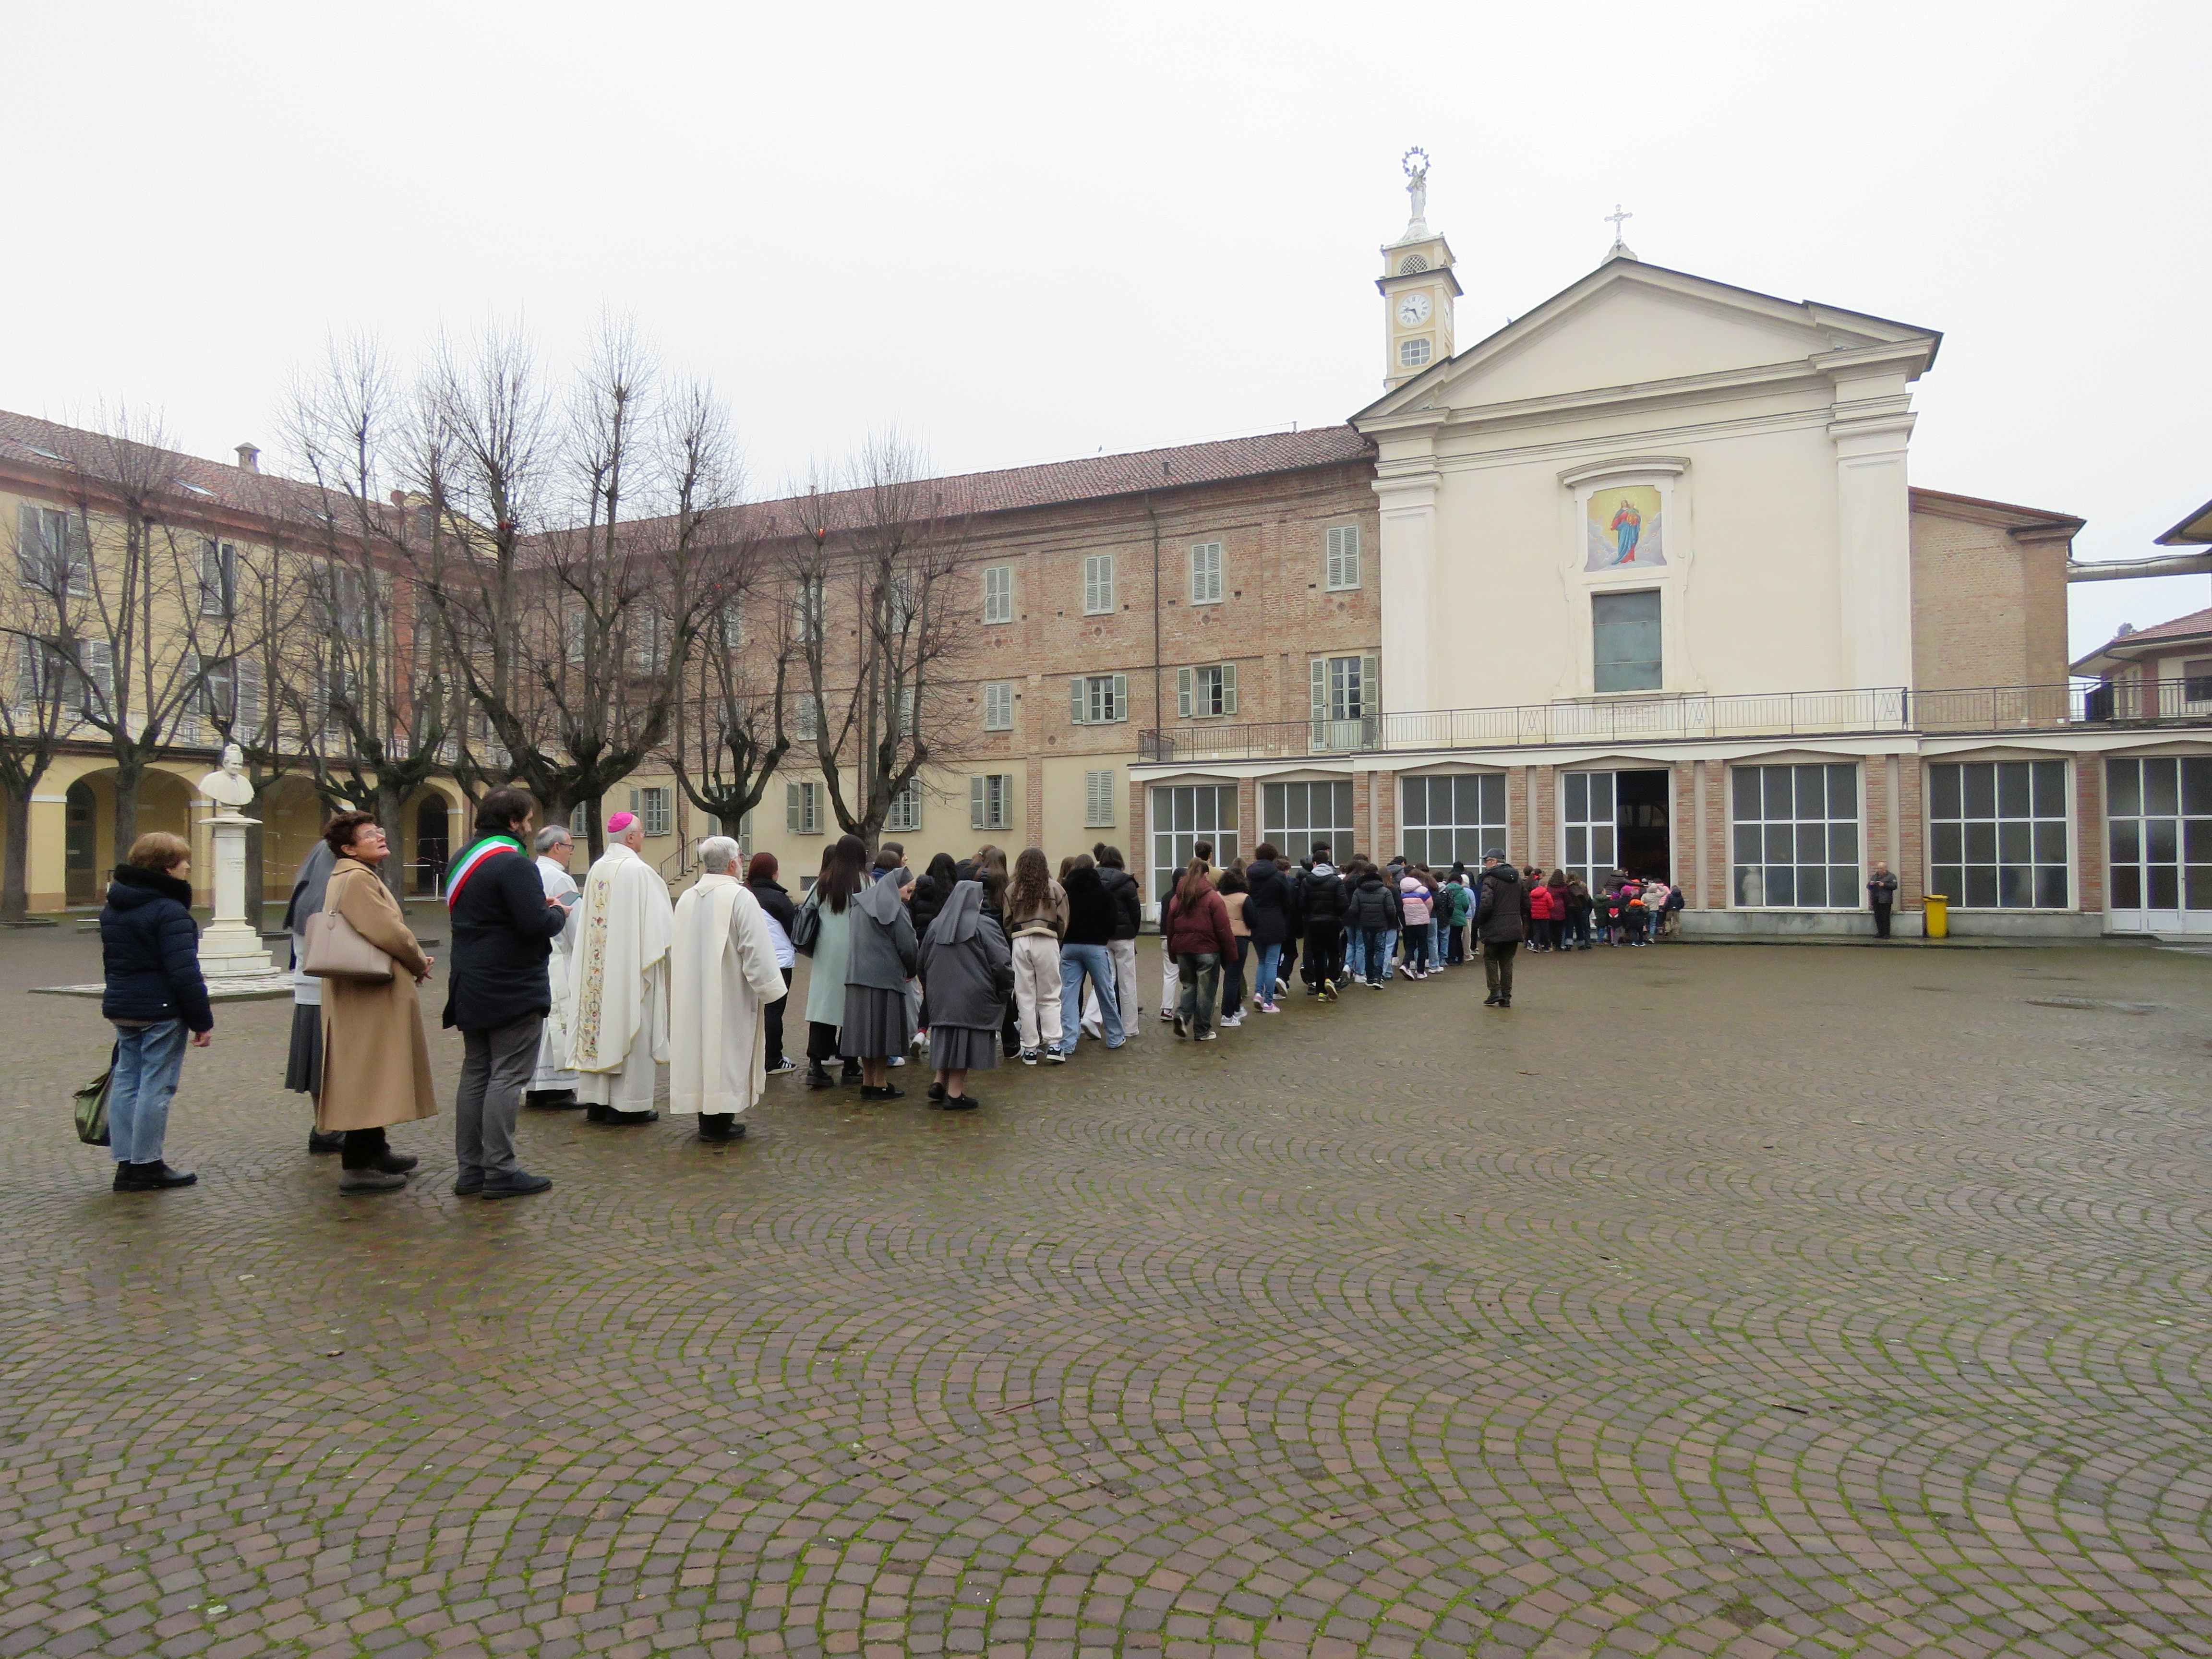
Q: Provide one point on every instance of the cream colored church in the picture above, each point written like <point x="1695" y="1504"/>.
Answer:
<point x="1643" y="580"/>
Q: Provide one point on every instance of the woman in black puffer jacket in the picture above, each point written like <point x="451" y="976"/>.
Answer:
<point x="150" y="949"/>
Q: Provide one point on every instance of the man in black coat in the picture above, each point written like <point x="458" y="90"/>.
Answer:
<point x="1271" y="913"/>
<point x="498" y="991"/>
<point x="1501" y="922"/>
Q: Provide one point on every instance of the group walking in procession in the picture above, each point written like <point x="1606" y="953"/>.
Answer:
<point x="609" y="998"/>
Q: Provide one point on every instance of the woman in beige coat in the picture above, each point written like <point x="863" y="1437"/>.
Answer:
<point x="376" y="1061"/>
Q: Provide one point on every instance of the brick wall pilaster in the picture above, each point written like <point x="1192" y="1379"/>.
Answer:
<point x="1879" y="816"/>
<point x="2089" y="831"/>
<point x="1912" y="866"/>
<point x="1517" y="813"/>
<point x="1248" y="818"/>
<point x="1544" y="819"/>
<point x="1719" y="879"/>
<point x="1386" y="814"/>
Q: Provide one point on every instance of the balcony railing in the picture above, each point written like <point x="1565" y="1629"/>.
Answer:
<point x="1689" y="719"/>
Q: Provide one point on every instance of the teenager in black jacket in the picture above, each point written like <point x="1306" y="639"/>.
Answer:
<point x="1320" y="897"/>
<point x="775" y="900"/>
<point x="150" y="949"/>
<point x="1271" y="913"/>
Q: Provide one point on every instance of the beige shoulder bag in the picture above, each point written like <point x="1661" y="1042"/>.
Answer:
<point x="335" y="951"/>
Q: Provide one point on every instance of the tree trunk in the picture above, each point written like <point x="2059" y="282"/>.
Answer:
<point x="14" y="891"/>
<point x="392" y="816"/>
<point x="595" y="835"/>
<point x="129" y="774"/>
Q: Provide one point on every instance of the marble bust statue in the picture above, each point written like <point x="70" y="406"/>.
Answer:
<point x="228" y="787"/>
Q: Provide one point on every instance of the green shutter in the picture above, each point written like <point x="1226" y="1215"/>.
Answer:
<point x="976" y="802"/>
<point x="1229" y="688"/>
<point x="1183" y="693"/>
<point x="1076" y="711"/>
<point x="1320" y="667"/>
<point x="792" y="809"/>
<point x="1120" y="696"/>
<point x="1371" y="687"/>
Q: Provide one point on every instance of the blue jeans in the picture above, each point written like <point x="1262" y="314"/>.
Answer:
<point x="1263" y="981"/>
<point x="148" y="1061"/>
<point x="1383" y="966"/>
<point x="1095" y="962"/>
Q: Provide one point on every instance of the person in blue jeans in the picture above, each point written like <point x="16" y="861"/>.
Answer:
<point x="1084" y="954"/>
<point x="154" y="996"/>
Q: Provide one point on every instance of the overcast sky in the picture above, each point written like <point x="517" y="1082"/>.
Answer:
<point x="1029" y="233"/>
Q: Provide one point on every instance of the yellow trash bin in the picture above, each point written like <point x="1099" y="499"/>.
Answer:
<point x="1938" y="916"/>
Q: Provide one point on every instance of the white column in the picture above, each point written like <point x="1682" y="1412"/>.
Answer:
<point x="1406" y="484"/>
<point x="1874" y="516"/>
<point x="231" y="948"/>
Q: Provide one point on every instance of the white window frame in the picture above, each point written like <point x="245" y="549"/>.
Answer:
<point x="991" y="800"/>
<point x="1415" y="352"/>
<point x="1097" y="584"/>
<point x="50" y="542"/>
<point x="1853" y="859"/>
<point x="1098" y="699"/>
<point x="998" y="593"/>
<point x="1208" y="578"/>
<point x="1347" y="700"/>
<point x="2030" y="835"/>
<point x="998" y="705"/>
<point x="1446" y="832"/>
<point x="805" y="718"/>
<point x="904" y="812"/>
<point x="1206" y="691"/>
<point x="810" y="605"/>
<point x="1288" y="821"/>
<point x="802" y="807"/>
<point x="1340" y="561"/>
<point x="1098" y="794"/>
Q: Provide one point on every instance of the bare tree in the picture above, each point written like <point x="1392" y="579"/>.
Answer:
<point x="35" y="708"/>
<point x="133" y="628"/>
<point x="731" y="735"/>
<point x="376" y="699"/>
<point x="584" y="554"/>
<point x="877" y="625"/>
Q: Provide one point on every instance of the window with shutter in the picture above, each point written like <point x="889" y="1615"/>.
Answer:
<point x="998" y="593"/>
<point x="1098" y="799"/>
<point x="1097" y="584"/>
<point x="1186" y="700"/>
<point x="805" y="718"/>
<point x="1206" y="577"/>
<point x="998" y="706"/>
<point x="904" y="812"/>
<point x="1343" y="557"/>
<point x="990" y="796"/>
<point x="249" y="696"/>
<point x="801" y="809"/>
<point x="218" y="578"/>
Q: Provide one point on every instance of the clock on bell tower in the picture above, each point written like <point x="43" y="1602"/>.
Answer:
<point x="1417" y="287"/>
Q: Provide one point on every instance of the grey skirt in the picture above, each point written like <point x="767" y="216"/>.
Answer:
<point x="962" y="1049"/>
<point x="877" y="1023"/>
<point x="303" y="1065"/>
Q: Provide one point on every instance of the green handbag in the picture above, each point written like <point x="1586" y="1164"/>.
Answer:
<point x="92" y="1107"/>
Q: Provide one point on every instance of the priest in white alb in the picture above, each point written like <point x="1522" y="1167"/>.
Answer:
<point x="722" y="972"/>
<point x="616" y="1009"/>
<point x="552" y="1084"/>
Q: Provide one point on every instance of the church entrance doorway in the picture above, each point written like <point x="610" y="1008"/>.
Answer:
<point x="79" y="843"/>
<point x="1612" y="821"/>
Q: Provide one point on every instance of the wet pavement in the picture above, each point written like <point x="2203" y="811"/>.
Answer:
<point x="1736" y="1300"/>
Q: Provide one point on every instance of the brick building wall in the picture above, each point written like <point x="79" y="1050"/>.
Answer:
<point x="1989" y="593"/>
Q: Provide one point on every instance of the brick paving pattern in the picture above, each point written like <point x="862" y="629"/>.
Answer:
<point x="1742" y="1301"/>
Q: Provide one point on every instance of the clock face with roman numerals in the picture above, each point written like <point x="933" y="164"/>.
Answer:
<point x="1413" y="310"/>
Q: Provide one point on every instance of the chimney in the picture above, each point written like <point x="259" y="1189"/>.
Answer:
<point x="249" y="457"/>
<point x="399" y="498"/>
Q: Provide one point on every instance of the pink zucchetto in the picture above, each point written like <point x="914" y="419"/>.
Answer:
<point x="620" y="821"/>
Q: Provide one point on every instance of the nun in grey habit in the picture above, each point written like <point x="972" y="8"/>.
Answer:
<point x="969" y="974"/>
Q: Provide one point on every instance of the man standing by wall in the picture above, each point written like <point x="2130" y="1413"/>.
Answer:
<point x="1881" y="895"/>
<point x="1501" y="922"/>
<point x="498" y="992"/>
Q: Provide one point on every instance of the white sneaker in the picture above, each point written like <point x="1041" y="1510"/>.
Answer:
<point x="1269" y="1008"/>
<point x="1232" y="1019"/>
<point x="1095" y="1028"/>
<point x="1282" y="987"/>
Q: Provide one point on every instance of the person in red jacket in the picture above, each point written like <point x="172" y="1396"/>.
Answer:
<point x="1199" y="938"/>
<point x="1539" y="912"/>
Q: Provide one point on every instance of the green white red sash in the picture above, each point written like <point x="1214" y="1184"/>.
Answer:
<point x="475" y="860"/>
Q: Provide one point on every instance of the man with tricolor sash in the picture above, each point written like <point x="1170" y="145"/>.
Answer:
<point x="504" y="925"/>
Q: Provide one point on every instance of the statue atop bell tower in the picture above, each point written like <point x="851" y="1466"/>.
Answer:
<point x="1417" y="285"/>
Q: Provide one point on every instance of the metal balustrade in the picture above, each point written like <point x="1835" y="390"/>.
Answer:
<point x="1689" y="719"/>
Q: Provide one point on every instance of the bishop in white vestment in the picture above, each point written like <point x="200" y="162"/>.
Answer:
<point x="553" y="1084"/>
<point x="722" y="971"/>
<point x="617" y="1005"/>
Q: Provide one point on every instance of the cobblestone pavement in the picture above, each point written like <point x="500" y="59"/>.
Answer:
<point x="1713" y="1300"/>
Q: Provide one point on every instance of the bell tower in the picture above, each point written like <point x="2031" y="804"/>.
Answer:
<point x="1417" y="287"/>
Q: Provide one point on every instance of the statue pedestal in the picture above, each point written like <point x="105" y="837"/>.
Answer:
<point x="231" y="947"/>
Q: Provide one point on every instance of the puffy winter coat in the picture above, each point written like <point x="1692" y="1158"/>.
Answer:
<point x="1089" y="910"/>
<point x="1128" y="904"/>
<point x="1413" y="897"/>
<point x="1321" y="895"/>
<point x="1540" y="903"/>
<point x="1270" y="909"/>
<point x="1370" y="908"/>
<point x="1502" y="914"/>
<point x="149" y="948"/>
<point x="1202" y="929"/>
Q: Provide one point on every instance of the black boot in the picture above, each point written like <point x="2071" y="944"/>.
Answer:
<point x="595" y="1114"/>
<point x="818" y="1078"/>
<point x="154" y="1177"/>
<point x="552" y="1100"/>
<point x="721" y="1125"/>
<point x="323" y="1145"/>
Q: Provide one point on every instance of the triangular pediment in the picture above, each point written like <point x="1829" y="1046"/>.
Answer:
<point x="1629" y="325"/>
